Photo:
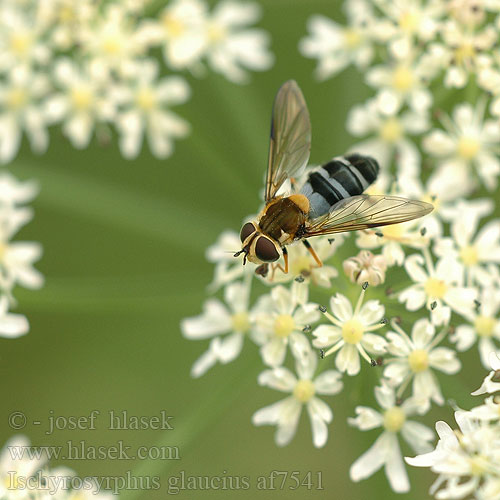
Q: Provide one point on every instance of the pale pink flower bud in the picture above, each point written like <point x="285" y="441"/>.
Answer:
<point x="366" y="267"/>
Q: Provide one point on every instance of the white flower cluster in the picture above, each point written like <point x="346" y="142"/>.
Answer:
<point x="432" y="285"/>
<point x="25" y="475"/>
<point x="16" y="257"/>
<point x="90" y="68"/>
<point x="468" y="459"/>
<point x="428" y="46"/>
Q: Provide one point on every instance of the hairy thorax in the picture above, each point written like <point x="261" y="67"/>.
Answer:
<point x="284" y="217"/>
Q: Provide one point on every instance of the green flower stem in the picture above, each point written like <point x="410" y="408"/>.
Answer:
<point x="204" y="415"/>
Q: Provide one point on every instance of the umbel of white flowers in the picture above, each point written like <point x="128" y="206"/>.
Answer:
<point x="442" y="269"/>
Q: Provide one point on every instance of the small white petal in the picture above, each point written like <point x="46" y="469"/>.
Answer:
<point x="273" y="352"/>
<point x="348" y="360"/>
<point x="328" y="382"/>
<point x="341" y="307"/>
<point x="394" y="467"/>
<point x="319" y="414"/>
<point x="418" y="436"/>
<point x="366" y="418"/>
<point x="444" y="359"/>
<point x="372" y="460"/>
<point x="279" y="378"/>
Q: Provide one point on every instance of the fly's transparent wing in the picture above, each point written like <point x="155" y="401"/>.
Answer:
<point x="365" y="211"/>
<point x="290" y="142"/>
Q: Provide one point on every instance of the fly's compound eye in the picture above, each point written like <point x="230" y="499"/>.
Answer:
<point x="265" y="250"/>
<point x="246" y="231"/>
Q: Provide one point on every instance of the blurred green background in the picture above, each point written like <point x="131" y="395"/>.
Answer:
<point x="124" y="245"/>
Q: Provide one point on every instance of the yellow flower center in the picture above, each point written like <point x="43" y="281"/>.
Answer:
<point x="392" y="130"/>
<point x="216" y="32"/>
<point x="20" y="43"/>
<point x="435" y="288"/>
<point x="418" y="360"/>
<point x="174" y="26"/>
<point x="145" y="99"/>
<point x="402" y="78"/>
<point x="304" y="390"/>
<point x="484" y="326"/>
<point x="111" y="45"/>
<point x="393" y="232"/>
<point x="352" y="331"/>
<point x="284" y="325"/>
<point x="240" y="322"/>
<point x="352" y="38"/>
<point x="469" y="255"/>
<point x="433" y="200"/>
<point x="81" y="97"/>
<point x="303" y="263"/>
<point x="409" y="21"/>
<point x="464" y="53"/>
<point x="468" y="147"/>
<point x="479" y="465"/>
<point x="16" y="98"/>
<point x="394" y="419"/>
<point x="66" y="14"/>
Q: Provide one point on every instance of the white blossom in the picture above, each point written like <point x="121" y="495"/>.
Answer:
<point x="439" y="287"/>
<point x="226" y="324"/>
<point x="112" y="42"/>
<point x="385" y="452"/>
<point x="17" y="257"/>
<point x="232" y="47"/>
<point x="146" y="112"/>
<point x="180" y="31"/>
<point x="466" y="459"/>
<point x="492" y="381"/>
<point x="336" y="46"/>
<point x="388" y="133"/>
<point x="11" y="325"/>
<point x="14" y="192"/>
<point x="468" y="145"/>
<point x="350" y="332"/>
<point x="289" y="314"/>
<point x="399" y="83"/>
<point x="474" y="251"/>
<point x="228" y="268"/>
<point x="285" y="414"/>
<point x="466" y="51"/>
<point x="21" y="111"/>
<point x="12" y="466"/>
<point x="80" y="103"/>
<point x="416" y="358"/>
<point x="409" y="20"/>
<point x="21" y="39"/>
<point x="484" y="326"/>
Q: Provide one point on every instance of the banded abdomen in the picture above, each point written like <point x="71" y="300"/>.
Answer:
<point x="341" y="178"/>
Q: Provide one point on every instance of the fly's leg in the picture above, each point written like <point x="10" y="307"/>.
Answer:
<point x="279" y="266"/>
<point x="313" y="253"/>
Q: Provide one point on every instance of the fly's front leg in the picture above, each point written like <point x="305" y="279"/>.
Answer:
<point x="279" y="266"/>
<point x="313" y="253"/>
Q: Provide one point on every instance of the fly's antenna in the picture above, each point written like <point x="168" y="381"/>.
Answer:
<point x="245" y="251"/>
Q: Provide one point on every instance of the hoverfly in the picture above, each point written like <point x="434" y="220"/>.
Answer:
<point x="331" y="200"/>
